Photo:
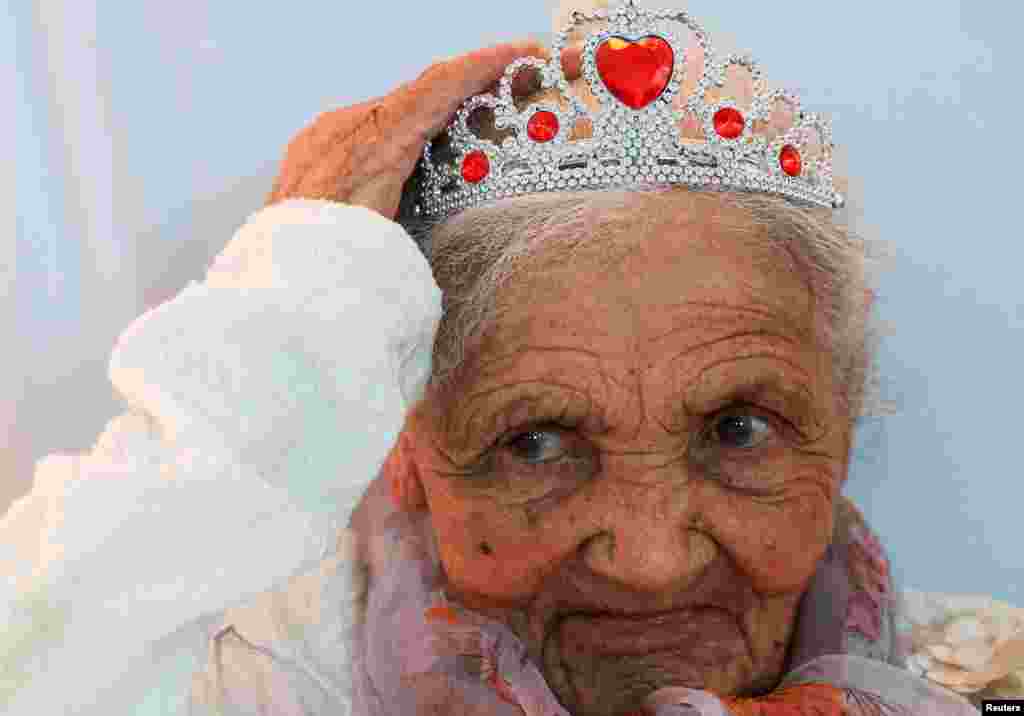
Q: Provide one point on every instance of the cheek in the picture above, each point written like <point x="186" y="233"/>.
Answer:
<point x="489" y="550"/>
<point x="777" y="542"/>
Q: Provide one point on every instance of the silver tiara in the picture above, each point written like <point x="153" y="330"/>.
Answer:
<point x="635" y="67"/>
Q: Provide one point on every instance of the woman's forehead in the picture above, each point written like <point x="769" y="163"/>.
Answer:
<point x="682" y="320"/>
<point x="674" y="286"/>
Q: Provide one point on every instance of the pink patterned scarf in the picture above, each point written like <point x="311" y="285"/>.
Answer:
<point x="417" y="653"/>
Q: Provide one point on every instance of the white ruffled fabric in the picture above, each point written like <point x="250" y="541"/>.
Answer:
<point x="262" y="402"/>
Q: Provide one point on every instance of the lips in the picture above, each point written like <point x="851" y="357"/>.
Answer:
<point x="610" y="634"/>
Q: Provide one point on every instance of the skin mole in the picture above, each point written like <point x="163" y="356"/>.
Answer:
<point x="531" y="517"/>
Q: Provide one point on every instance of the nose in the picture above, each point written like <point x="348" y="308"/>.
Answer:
<point x="649" y="554"/>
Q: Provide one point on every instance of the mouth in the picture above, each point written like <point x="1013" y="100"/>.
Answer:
<point x="610" y="634"/>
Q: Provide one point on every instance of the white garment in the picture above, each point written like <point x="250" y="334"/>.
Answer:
<point x="262" y="402"/>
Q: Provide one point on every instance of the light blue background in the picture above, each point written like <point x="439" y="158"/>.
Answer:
<point x="146" y="132"/>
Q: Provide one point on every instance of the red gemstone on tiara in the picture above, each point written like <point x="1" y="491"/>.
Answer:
<point x="729" y="123"/>
<point x="789" y="160"/>
<point x="475" y="166"/>
<point x="636" y="73"/>
<point x="543" y="126"/>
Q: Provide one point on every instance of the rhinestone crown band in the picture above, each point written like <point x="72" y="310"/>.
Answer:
<point x="634" y="67"/>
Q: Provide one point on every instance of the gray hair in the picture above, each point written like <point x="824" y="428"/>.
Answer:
<point x="475" y="253"/>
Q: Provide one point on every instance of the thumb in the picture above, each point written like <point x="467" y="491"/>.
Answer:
<point x="670" y="710"/>
<point x="682" y="701"/>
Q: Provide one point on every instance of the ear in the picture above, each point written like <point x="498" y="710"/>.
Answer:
<point x="402" y="472"/>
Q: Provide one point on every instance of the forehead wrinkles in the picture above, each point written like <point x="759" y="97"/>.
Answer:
<point x="724" y="320"/>
<point x="555" y="320"/>
<point x="621" y="386"/>
<point x="525" y="372"/>
<point x="650" y="301"/>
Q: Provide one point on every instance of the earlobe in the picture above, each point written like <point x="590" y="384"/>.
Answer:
<point x="402" y="472"/>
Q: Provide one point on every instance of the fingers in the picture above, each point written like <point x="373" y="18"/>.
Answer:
<point x="437" y="94"/>
<point x="525" y="83"/>
<point x="572" y="63"/>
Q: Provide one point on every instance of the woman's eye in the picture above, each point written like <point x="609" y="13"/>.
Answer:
<point x="537" y="446"/>
<point x="741" y="430"/>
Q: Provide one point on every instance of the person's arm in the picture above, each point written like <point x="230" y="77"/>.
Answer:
<point x="261" y="403"/>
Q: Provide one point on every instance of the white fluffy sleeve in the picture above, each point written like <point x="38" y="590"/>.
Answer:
<point x="262" y="402"/>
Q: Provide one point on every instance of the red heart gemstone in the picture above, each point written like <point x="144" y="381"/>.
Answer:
<point x="636" y="73"/>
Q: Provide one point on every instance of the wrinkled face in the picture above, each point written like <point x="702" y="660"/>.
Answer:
<point x="639" y="475"/>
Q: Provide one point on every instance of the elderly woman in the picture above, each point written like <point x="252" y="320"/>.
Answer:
<point x="618" y="486"/>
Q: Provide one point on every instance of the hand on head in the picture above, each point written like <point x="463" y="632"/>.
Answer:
<point x="363" y="154"/>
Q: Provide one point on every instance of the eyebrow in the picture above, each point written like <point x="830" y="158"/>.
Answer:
<point x="786" y="391"/>
<point x="484" y="413"/>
